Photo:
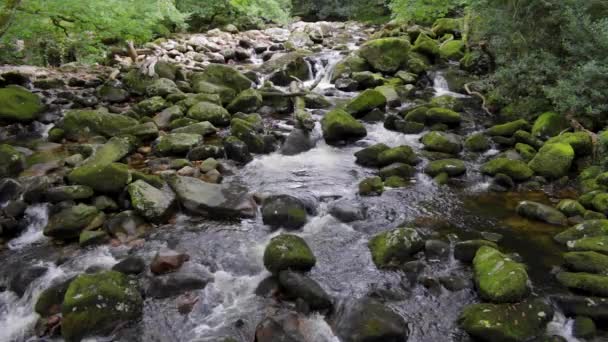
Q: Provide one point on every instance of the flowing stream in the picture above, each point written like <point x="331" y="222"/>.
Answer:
<point x="232" y="253"/>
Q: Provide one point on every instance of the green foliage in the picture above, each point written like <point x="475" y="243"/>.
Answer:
<point x="423" y="11"/>
<point x="363" y="10"/>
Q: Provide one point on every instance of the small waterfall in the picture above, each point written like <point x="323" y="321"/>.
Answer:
<point x="324" y="71"/>
<point x="37" y="217"/>
<point x="562" y="326"/>
<point x="441" y="86"/>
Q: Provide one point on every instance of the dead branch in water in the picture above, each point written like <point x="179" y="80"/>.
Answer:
<point x="478" y="94"/>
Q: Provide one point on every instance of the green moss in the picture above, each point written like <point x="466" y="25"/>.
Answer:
<point x="349" y="65"/>
<point x="418" y="63"/>
<point x="226" y="76"/>
<point x="92" y="237"/>
<point x="213" y="92"/>
<point x="395" y="246"/>
<point x="395" y="182"/>
<point x="446" y="101"/>
<point x="150" y="202"/>
<point x="571" y="208"/>
<point x="593" y="284"/>
<point x="591" y="262"/>
<point x="398" y="169"/>
<point x="386" y="54"/>
<point x="508" y="129"/>
<point x="18" y="104"/>
<point x="207" y="111"/>
<point x="452" y="50"/>
<point x="365" y="102"/>
<point x="245" y="131"/>
<point x="81" y="124"/>
<point x="506" y="322"/>
<point x="372" y="186"/>
<point x="417" y="114"/>
<point x="443" y="115"/>
<point x="586" y="199"/>
<point x="448" y="25"/>
<point x="97" y="303"/>
<point x="477" y="142"/>
<point x="339" y="126"/>
<point x="583" y="327"/>
<point x="68" y="223"/>
<point x="176" y="143"/>
<point x="528" y="139"/>
<point x="11" y="161"/>
<point x="401" y="154"/>
<point x="452" y="167"/>
<point x="137" y="82"/>
<point x="549" y="124"/>
<point x="541" y="212"/>
<point x="516" y="169"/>
<point x="247" y="101"/>
<point x="600" y="203"/>
<point x="589" y="228"/>
<point x="151" y="106"/>
<point x="590" y="244"/>
<point x="581" y="142"/>
<point x="526" y="152"/>
<point x="553" y="160"/>
<point x="442" y="142"/>
<point x="426" y="45"/>
<point x="498" y="278"/>
<point x="369" y="155"/>
<point x="288" y="251"/>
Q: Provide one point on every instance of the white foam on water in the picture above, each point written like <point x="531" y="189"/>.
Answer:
<point x="38" y="216"/>
<point x="378" y="134"/>
<point x="562" y="326"/>
<point x="316" y="329"/>
<point x="441" y="86"/>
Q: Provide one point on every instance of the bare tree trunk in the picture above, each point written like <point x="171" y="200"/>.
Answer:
<point x="7" y="14"/>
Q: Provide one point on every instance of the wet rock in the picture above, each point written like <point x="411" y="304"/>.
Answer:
<point x="205" y="152"/>
<point x="151" y="106"/>
<point x="150" y="202"/>
<point x="366" y="319"/>
<point x="515" y="169"/>
<point x="397" y="170"/>
<point x="369" y="156"/>
<point x="465" y="251"/>
<point x="284" y="211"/>
<point x="176" y="143"/>
<point x="346" y="84"/>
<point x="286" y="252"/>
<point x="401" y="154"/>
<point x="81" y="124"/>
<point x="571" y="208"/>
<point x="593" y="307"/>
<point x="339" y="126"/>
<point x="11" y="161"/>
<point x="581" y="142"/>
<point x="477" y="143"/>
<point x="17" y="104"/>
<point x="92" y="237"/>
<point x="586" y="261"/>
<point x="436" y="250"/>
<point x="372" y="186"/>
<point x="549" y="124"/>
<point x="386" y="55"/>
<point x="49" y="301"/>
<point x="442" y="142"/>
<point x="167" y="263"/>
<point x="15" y="209"/>
<point x="174" y="284"/>
<point x="553" y="160"/>
<point x="213" y="113"/>
<point x="10" y="189"/>
<point x="284" y="327"/>
<point x="246" y="132"/>
<point x="498" y="278"/>
<point x="282" y="67"/>
<point x="297" y="285"/>
<point x="98" y="303"/>
<point x="224" y="76"/>
<point x="591" y="228"/>
<point x="506" y="322"/>
<point x="453" y="167"/>
<point x="365" y="103"/>
<point x="237" y="150"/>
<point x="68" y="192"/>
<point x="113" y="93"/>
<point x="541" y="212"/>
<point x="69" y="222"/>
<point x="230" y="201"/>
<point x="131" y="265"/>
<point x="161" y="87"/>
<point x="20" y="282"/>
<point x="143" y="132"/>
<point x="456" y="283"/>
<point x="248" y="101"/>
<point x="395" y="246"/>
<point x="347" y="211"/>
<point x="297" y="141"/>
<point x="593" y="284"/>
<point x="508" y="129"/>
<point x="126" y="226"/>
<point x="443" y="116"/>
<point x="583" y="327"/>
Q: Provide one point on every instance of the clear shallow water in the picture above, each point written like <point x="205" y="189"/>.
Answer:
<point x="232" y="253"/>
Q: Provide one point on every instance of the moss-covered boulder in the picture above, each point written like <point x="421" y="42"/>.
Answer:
<point x="284" y="211"/>
<point x="137" y="82"/>
<point x="204" y="128"/>
<point x="516" y="169"/>
<point x="549" y="124"/>
<point x="11" y="161"/>
<point x="365" y="102"/>
<point x="581" y="142"/>
<point x="81" y="124"/>
<point x="442" y="142"/>
<point x="98" y="303"/>
<point x="162" y="87"/>
<point x="541" y="212"/>
<point x="528" y="139"/>
<point x="591" y="262"/>
<point x="571" y="208"/>
<point x="288" y="252"/>
<point x="369" y="155"/>
<point x="339" y="126"/>
<point x="401" y="154"/>
<point x="508" y="129"/>
<point x="151" y="106"/>
<point x="92" y="237"/>
<point x="247" y="101"/>
<point x="349" y="65"/>
<point x="69" y="222"/>
<point x="400" y="170"/>
<point x="207" y="111"/>
<point x="386" y="55"/>
<point x="526" y="152"/>
<point x="588" y="228"/>
<point x="213" y="92"/>
<point x="426" y="45"/>
<point x="444" y="116"/>
<point x="498" y="278"/>
<point x="600" y="203"/>
<point x="477" y="142"/>
<point x="448" y="26"/>
<point x="465" y="251"/>
<point x="68" y="193"/>
<point x="176" y="143"/>
<point x="49" y="301"/>
<point x="372" y="186"/>
<point x="553" y="160"/>
<point x="19" y="105"/>
<point x="281" y="68"/>
<point x="452" y="50"/>
<point x="395" y="246"/>
<point x="507" y="322"/>
<point x="453" y="167"/>
<point x="246" y="132"/>
<point x="592" y="244"/>
<point x="224" y="75"/>
<point x="152" y="203"/>
<point x="593" y="284"/>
